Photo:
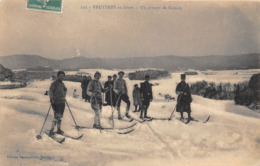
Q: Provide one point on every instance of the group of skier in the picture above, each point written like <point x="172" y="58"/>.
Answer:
<point x="115" y="90"/>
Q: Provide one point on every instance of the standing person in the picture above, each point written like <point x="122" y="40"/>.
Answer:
<point x="184" y="98"/>
<point x="137" y="98"/>
<point x="113" y="92"/>
<point x="95" y="91"/>
<point x="108" y="84"/>
<point x="84" y="87"/>
<point x="120" y="89"/>
<point x="57" y="95"/>
<point x="146" y="96"/>
<point x="88" y="81"/>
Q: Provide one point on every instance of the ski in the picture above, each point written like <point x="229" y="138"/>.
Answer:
<point x="126" y="120"/>
<point x="107" y="128"/>
<point x="59" y="140"/>
<point x="127" y="132"/>
<point x="68" y="136"/>
<point x="72" y="137"/>
<point x="161" y="119"/>
<point x="185" y="122"/>
<point x="195" y="120"/>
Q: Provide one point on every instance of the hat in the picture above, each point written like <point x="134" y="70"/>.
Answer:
<point x="114" y="75"/>
<point x="183" y="76"/>
<point x="109" y="77"/>
<point x="146" y="76"/>
<point x="97" y="73"/>
<point x="60" y="72"/>
<point x="135" y="85"/>
<point x="121" y="72"/>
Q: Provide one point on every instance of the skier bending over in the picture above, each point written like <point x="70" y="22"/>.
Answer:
<point x="184" y="98"/>
<point x="146" y="96"/>
<point x="57" y="95"/>
<point x="120" y="89"/>
<point x="95" y="91"/>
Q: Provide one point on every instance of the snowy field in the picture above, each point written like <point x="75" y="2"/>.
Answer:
<point x="231" y="137"/>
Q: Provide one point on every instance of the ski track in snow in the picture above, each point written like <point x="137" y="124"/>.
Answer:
<point x="231" y="136"/>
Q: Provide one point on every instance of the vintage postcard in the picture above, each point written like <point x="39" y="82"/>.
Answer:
<point x="129" y="83"/>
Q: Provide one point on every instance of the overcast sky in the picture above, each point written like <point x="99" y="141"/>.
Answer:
<point x="198" y="29"/>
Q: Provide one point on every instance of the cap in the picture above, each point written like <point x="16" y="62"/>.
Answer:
<point x="60" y="72"/>
<point x="147" y="76"/>
<point x="121" y="72"/>
<point x="97" y="73"/>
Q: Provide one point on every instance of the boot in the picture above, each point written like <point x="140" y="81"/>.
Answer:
<point x="189" y="117"/>
<point x="59" y="131"/>
<point x="127" y="115"/>
<point x="51" y="133"/>
<point x="145" y="114"/>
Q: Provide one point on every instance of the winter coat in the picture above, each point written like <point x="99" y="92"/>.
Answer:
<point x="107" y="85"/>
<point x="57" y="92"/>
<point x="185" y="98"/>
<point x="136" y="96"/>
<point x="95" y="91"/>
<point x="120" y="86"/>
<point x="146" y="91"/>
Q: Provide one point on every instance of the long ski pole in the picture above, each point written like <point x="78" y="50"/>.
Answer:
<point x="111" y="103"/>
<point x="40" y="136"/>
<point x="71" y="114"/>
<point x="175" y="107"/>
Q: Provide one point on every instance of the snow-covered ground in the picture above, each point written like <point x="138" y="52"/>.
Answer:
<point x="231" y="137"/>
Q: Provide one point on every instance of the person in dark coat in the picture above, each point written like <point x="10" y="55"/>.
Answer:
<point x="84" y="87"/>
<point x="108" y="84"/>
<point x="184" y="98"/>
<point x="146" y="96"/>
<point x="89" y="79"/>
<point x="113" y="92"/>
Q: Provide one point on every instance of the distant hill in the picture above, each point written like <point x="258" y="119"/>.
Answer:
<point x="170" y="63"/>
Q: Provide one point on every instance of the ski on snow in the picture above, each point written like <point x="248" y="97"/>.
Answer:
<point x="59" y="140"/>
<point x="195" y="120"/>
<point x="106" y="128"/>
<point x="67" y="135"/>
<point x="110" y="128"/>
<point x="72" y="137"/>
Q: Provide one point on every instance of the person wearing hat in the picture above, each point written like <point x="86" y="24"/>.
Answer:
<point x="137" y="98"/>
<point x="84" y="87"/>
<point x="57" y="94"/>
<point x="95" y="90"/>
<point x="146" y="96"/>
<point x="108" y="84"/>
<point x="184" y="98"/>
<point x="120" y="89"/>
<point x="113" y="92"/>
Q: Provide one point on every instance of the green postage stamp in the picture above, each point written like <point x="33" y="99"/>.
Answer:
<point x="45" y="5"/>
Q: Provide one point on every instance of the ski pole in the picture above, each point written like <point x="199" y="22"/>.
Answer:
<point x="111" y="100"/>
<point x="71" y="114"/>
<point x="40" y="136"/>
<point x="175" y="107"/>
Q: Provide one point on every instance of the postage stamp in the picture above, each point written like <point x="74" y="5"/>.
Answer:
<point x="45" y="5"/>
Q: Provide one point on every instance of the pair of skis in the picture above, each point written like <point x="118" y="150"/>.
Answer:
<point x="119" y="130"/>
<point x="63" y="136"/>
<point x="187" y="120"/>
